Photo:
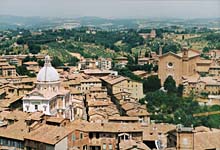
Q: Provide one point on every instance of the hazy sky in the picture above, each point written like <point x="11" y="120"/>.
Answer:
<point x="112" y="8"/>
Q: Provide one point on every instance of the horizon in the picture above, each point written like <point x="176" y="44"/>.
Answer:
<point x="123" y="9"/>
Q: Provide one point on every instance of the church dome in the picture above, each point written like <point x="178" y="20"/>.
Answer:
<point x="48" y="73"/>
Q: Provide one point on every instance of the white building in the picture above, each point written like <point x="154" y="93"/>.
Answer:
<point x="48" y="96"/>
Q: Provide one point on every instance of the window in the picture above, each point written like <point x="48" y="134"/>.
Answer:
<point x="9" y="73"/>
<point x="81" y="135"/>
<point x="110" y="146"/>
<point x="36" y="107"/>
<point x="97" y="135"/>
<point x="27" y="107"/>
<point x="104" y="146"/>
<point x="73" y="137"/>
<point x="45" y="108"/>
<point x="90" y="135"/>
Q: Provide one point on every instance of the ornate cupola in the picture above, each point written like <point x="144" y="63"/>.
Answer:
<point x="48" y="78"/>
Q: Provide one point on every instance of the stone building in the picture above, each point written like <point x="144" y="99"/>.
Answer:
<point x="178" y="65"/>
<point x="48" y="96"/>
<point x="117" y="84"/>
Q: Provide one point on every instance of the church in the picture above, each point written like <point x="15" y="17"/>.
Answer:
<point x="48" y="96"/>
<point x="178" y="65"/>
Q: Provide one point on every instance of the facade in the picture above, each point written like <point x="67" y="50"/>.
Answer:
<point x="121" y="61"/>
<point x="48" y="96"/>
<point x="8" y="71"/>
<point x="55" y="139"/>
<point x="105" y="63"/>
<point x="87" y="63"/>
<point x="178" y="65"/>
<point x="207" y="89"/>
<point x="102" y="136"/>
<point x="117" y="84"/>
<point x="32" y="66"/>
<point x="194" y="138"/>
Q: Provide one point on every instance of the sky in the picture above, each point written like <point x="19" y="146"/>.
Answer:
<point x="112" y="8"/>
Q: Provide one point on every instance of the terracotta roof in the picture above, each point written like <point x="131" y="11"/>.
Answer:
<point x="210" y="142"/>
<point x="8" y="67"/>
<point x="132" y="144"/>
<point x="139" y="72"/>
<point x="90" y="79"/>
<point x="204" y="61"/>
<point x="191" y="53"/>
<point x="55" y="119"/>
<point x="97" y="71"/>
<point x="108" y="127"/>
<point x="13" y="115"/>
<point x="35" y="116"/>
<point x="151" y="131"/>
<point x="113" y="79"/>
<point x="31" y="63"/>
<point x="15" y="131"/>
<point x="123" y="118"/>
<point x="121" y="58"/>
<point x="144" y="59"/>
<point x="210" y="80"/>
<point x="48" y="134"/>
<point x="8" y="102"/>
<point x="97" y="103"/>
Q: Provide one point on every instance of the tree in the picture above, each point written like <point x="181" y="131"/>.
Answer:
<point x="34" y="49"/>
<point x="205" y="50"/>
<point x="180" y="90"/>
<point x="73" y="61"/>
<point x="170" y="84"/>
<point x="155" y="68"/>
<point x="20" y="41"/>
<point x="152" y="83"/>
<point x="56" y="62"/>
<point x="22" y="70"/>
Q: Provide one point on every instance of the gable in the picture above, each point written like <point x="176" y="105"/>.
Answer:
<point x="36" y="93"/>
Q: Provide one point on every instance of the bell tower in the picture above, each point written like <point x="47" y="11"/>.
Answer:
<point x="185" y="54"/>
<point x="185" y="61"/>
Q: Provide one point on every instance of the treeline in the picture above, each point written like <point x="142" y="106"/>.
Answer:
<point x="104" y="38"/>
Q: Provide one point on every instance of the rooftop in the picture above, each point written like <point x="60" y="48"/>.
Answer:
<point x="48" y="134"/>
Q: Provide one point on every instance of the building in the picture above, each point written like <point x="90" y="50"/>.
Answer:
<point x="105" y="63"/>
<point x="117" y="84"/>
<point x="152" y="34"/>
<point x="48" y="96"/>
<point x="121" y="61"/>
<point x="143" y="61"/>
<point x="178" y="65"/>
<point x="8" y="71"/>
<point x="99" y="73"/>
<point x="87" y="63"/>
<point x="54" y="139"/>
<point x="205" y="87"/>
<point x="106" y="136"/>
<point x="32" y="66"/>
<point x="199" y="138"/>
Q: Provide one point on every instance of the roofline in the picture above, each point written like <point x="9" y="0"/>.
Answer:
<point x="172" y="53"/>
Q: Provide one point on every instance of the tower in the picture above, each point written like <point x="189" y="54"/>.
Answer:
<point x="185" y="61"/>
<point x="185" y="54"/>
<point x="160" y="51"/>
